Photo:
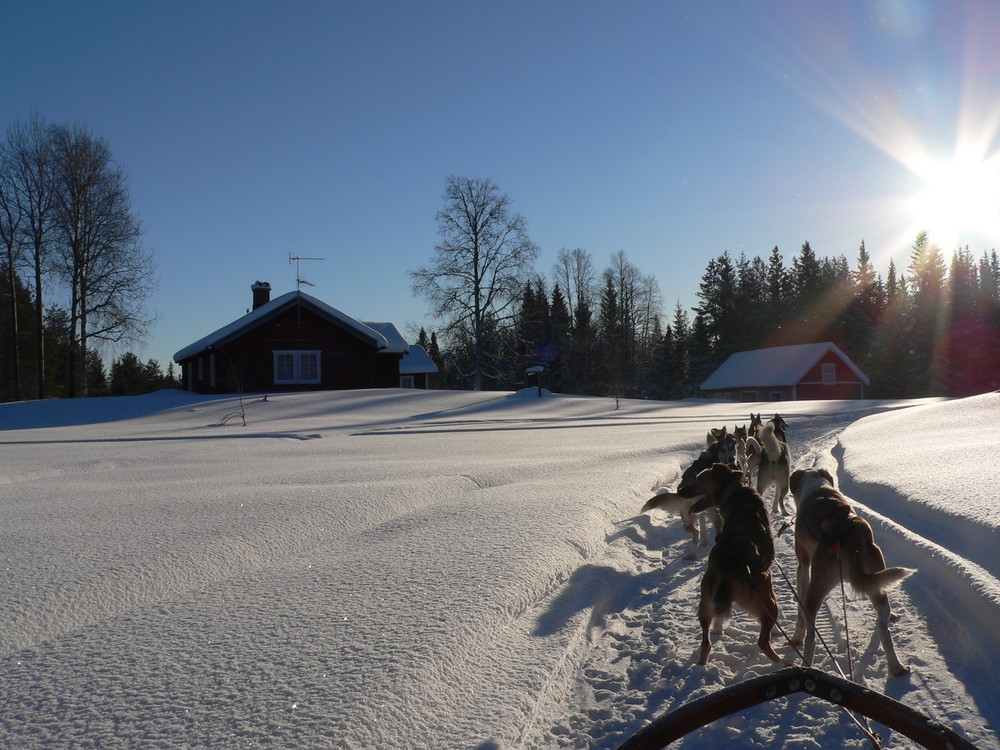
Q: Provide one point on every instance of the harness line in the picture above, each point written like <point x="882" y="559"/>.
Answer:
<point x="866" y="727"/>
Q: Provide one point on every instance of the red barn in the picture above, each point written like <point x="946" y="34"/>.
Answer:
<point x="294" y="343"/>
<point x="787" y="373"/>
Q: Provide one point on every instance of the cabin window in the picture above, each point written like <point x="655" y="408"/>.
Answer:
<point x="296" y="368"/>
<point x="829" y="373"/>
<point x="406" y="381"/>
<point x="748" y="396"/>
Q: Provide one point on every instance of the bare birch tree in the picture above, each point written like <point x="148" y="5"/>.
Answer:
<point x="13" y="250"/>
<point x="574" y="271"/>
<point x="101" y="261"/>
<point x="30" y="155"/>
<point x="479" y="267"/>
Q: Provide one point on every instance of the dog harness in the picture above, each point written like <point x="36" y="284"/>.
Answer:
<point x="832" y="526"/>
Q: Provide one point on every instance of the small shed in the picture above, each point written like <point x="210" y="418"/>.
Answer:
<point x="294" y="342"/>
<point x="416" y="368"/>
<point x="787" y="373"/>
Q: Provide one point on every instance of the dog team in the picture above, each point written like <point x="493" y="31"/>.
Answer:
<point x="832" y="543"/>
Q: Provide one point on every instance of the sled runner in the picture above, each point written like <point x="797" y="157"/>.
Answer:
<point x="858" y="698"/>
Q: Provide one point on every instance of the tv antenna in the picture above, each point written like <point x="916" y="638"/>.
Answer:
<point x="299" y="281"/>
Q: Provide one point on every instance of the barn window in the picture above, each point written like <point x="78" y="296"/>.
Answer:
<point x="829" y="373"/>
<point x="292" y="368"/>
<point x="406" y="381"/>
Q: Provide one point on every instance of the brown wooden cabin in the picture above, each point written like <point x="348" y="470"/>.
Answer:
<point x="293" y="343"/>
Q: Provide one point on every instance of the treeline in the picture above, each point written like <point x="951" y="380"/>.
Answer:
<point x="128" y="375"/>
<point x="73" y="273"/>
<point x="932" y="328"/>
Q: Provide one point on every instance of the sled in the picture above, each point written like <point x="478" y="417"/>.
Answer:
<point x="858" y="698"/>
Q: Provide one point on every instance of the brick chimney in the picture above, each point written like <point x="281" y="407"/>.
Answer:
<point x="261" y="293"/>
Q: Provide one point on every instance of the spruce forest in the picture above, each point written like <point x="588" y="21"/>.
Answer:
<point x="930" y="329"/>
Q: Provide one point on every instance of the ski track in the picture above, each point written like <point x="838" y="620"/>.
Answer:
<point x="642" y="661"/>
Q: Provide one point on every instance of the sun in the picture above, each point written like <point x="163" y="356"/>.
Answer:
<point x="959" y="200"/>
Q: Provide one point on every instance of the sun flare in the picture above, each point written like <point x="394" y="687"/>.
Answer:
<point x="958" y="197"/>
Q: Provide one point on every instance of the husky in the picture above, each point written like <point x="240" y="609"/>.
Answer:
<point x="722" y="451"/>
<point x="715" y="434"/>
<point x="755" y="424"/>
<point x="774" y="462"/>
<point x="739" y="565"/>
<point x="740" y="433"/>
<point x="833" y="543"/>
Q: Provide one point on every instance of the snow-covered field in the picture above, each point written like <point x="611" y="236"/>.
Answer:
<point x="408" y="569"/>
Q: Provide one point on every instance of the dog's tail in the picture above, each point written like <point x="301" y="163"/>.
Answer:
<point x="769" y="440"/>
<point x="722" y="597"/>
<point x="880" y="582"/>
<point x="665" y="500"/>
<point x="868" y="573"/>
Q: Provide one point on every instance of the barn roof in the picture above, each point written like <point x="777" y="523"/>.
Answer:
<point x="383" y="336"/>
<point x="417" y="361"/>
<point x="776" y="366"/>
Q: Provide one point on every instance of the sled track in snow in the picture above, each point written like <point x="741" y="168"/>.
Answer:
<point x="643" y="661"/>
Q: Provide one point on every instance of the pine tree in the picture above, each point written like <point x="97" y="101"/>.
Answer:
<point x="928" y="317"/>
<point x="583" y="350"/>
<point x="609" y="348"/>
<point x="560" y="324"/>
<point x="864" y="313"/>
<point x="128" y="376"/>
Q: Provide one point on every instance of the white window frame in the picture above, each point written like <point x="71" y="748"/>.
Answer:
<point x="407" y="381"/>
<point x="829" y="370"/>
<point x="297" y="356"/>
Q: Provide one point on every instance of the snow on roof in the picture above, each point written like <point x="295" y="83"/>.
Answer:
<point x="396" y="343"/>
<point x="417" y="361"/>
<point x="779" y="365"/>
<point x="393" y="343"/>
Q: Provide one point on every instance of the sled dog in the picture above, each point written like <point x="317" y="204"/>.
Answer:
<point x="739" y="565"/>
<point x="740" y="433"/>
<point x="831" y="542"/>
<point x="715" y="434"/>
<point x="774" y="462"/>
<point x="721" y="451"/>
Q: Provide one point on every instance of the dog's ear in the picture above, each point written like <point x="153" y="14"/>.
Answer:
<point x="827" y="475"/>
<point x="795" y="481"/>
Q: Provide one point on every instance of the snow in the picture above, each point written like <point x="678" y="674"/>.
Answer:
<point x="425" y="569"/>
<point x="417" y="361"/>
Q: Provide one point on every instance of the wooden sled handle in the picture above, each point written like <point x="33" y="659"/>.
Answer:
<point x="883" y="709"/>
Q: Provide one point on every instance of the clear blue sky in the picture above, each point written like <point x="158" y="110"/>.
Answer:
<point x="671" y="130"/>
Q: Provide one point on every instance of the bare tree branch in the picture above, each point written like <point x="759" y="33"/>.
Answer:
<point x="478" y="267"/>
